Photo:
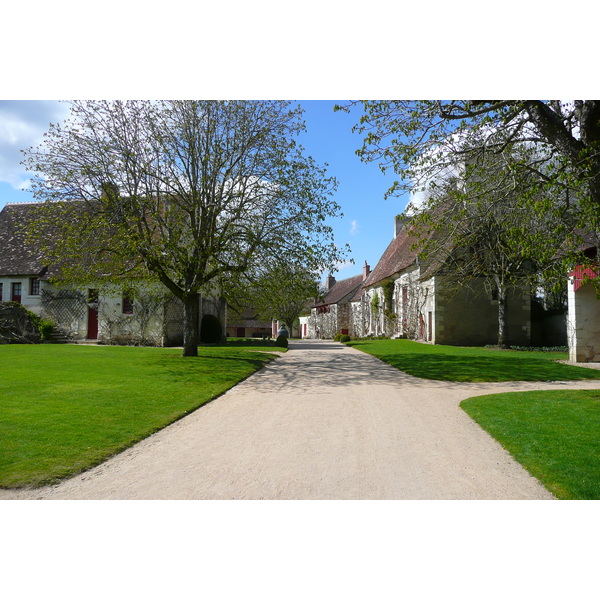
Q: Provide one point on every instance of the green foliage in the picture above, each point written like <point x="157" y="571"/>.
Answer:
<point x="554" y="164"/>
<point x="18" y="325"/>
<point x="553" y="434"/>
<point x="89" y="403"/>
<point x="46" y="326"/>
<point x="281" y="341"/>
<point x="388" y="297"/>
<point x="190" y="193"/>
<point x="375" y="304"/>
<point x="341" y="337"/>
<point x="469" y="364"/>
<point x="275" y="291"/>
<point x="211" y="331"/>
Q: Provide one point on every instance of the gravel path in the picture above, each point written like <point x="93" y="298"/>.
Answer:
<point x="324" y="421"/>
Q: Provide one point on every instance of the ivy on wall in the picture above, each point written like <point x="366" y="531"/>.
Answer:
<point x="388" y="297"/>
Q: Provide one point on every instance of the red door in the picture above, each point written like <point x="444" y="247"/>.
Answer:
<point x="15" y="295"/>
<point x="92" y="332"/>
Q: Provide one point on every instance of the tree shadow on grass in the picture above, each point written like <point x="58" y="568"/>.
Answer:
<point x="178" y="366"/>
<point x="486" y="369"/>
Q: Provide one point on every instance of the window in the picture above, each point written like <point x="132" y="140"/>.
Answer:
<point x="127" y="303"/>
<point x="16" y="292"/>
<point x="34" y="286"/>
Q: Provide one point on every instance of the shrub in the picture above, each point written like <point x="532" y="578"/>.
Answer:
<point x="46" y="326"/>
<point x="18" y="325"/>
<point x="281" y="341"/>
<point x="344" y="338"/>
<point x="210" y="330"/>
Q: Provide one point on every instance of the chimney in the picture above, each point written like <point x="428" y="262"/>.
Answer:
<point x="399" y="221"/>
<point x="366" y="270"/>
<point x="330" y="282"/>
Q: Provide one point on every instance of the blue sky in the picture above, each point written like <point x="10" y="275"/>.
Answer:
<point x="367" y="224"/>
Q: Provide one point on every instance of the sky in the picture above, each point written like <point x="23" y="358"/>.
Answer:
<point x="313" y="50"/>
<point x="367" y="222"/>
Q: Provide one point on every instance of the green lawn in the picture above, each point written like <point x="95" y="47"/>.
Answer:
<point x="453" y="363"/>
<point x="553" y="434"/>
<point x="64" y="409"/>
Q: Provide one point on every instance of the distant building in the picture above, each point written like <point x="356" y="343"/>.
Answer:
<point x="407" y="297"/>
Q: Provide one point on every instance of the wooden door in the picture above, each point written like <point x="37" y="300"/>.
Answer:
<point x="92" y="332"/>
<point x="15" y="295"/>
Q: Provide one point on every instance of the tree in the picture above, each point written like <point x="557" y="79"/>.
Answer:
<point x="476" y="228"/>
<point x="554" y="171"/>
<point x="183" y="192"/>
<point x="280" y="291"/>
<point x="422" y="139"/>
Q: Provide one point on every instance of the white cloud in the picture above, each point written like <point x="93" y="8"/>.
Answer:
<point x="353" y="227"/>
<point x="22" y="124"/>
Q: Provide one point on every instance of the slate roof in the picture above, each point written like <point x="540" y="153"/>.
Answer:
<point x="17" y="258"/>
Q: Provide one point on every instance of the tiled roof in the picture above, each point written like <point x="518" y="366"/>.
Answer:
<point x="397" y="256"/>
<point x="16" y="256"/>
<point x="342" y="291"/>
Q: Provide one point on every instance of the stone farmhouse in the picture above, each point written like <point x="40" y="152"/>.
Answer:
<point x="407" y="297"/>
<point x="103" y="313"/>
<point x="332" y="313"/>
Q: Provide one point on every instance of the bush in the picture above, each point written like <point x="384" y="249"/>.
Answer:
<point x="46" y="326"/>
<point x="281" y="341"/>
<point x="210" y="330"/>
<point x="18" y="325"/>
<point x="344" y="338"/>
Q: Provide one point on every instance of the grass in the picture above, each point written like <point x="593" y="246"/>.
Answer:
<point x="553" y="434"/>
<point x="466" y="364"/>
<point x="64" y="409"/>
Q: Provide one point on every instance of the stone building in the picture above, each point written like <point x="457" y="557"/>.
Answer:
<point x="332" y="313"/>
<point x="130" y="313"/>
<point x="408" y="297"/>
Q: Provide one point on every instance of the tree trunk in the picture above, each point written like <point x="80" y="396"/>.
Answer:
<point x="190" y="324"/>
<point x="502" y="314"/>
